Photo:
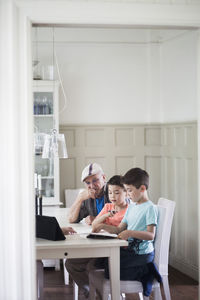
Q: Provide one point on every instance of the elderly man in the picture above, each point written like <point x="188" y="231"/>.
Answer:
<point x="87" y="205"/>
<point x="90" y="202"/>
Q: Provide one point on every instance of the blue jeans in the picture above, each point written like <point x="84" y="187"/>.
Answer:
<point x="132" y="266"/>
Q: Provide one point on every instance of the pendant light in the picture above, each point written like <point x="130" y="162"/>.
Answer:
<point x="54" y="144"/>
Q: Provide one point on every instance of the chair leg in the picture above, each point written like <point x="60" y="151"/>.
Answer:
<point x="141" y="296"/>
<point x="66" y="274"/>
<point x="75" y="291"/>
<point x="123" y="296"/>
<point x="166" y="287"/>
<point x="157" y="294"/>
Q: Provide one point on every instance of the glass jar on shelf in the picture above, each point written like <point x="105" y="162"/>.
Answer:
<point x="49" y="188"/>
<point x="37" y="106"/>
<point x="39" y="142"/>
<point x="45" y="106"/>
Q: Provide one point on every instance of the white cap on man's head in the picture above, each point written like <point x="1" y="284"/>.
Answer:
<point x="91" y="169"/>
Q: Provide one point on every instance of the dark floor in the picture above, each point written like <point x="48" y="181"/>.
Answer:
<point x="182" y="287"/>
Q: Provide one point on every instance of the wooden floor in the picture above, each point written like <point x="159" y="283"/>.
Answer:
<point x="182" y="287"/>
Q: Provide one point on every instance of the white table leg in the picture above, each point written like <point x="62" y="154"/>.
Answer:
<point x="57" y="264"/>
<point x="114" y="270"/>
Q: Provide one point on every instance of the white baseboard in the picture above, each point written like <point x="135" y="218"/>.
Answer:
<point x="184" y="267"/>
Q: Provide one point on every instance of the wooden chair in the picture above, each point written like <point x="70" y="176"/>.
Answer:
<point x="165" y="216"/>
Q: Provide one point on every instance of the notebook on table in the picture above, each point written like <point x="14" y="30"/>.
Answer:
<point x="48" y="228"/>
<point x="102" y="235"/>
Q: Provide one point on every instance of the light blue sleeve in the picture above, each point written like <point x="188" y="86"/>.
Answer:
<point x="124" y="220"/>
<point x="152" y="215"/>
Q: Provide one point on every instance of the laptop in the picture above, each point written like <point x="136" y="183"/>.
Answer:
<point x="48" y="228"/>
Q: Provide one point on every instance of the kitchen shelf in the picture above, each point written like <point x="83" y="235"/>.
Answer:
<point x="45" y="106"/>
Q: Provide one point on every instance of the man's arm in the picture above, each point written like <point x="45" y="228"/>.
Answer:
<point x="76" y="206"/>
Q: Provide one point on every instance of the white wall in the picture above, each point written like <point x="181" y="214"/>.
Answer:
<point x="123" y="76"/>
<point x="105" y="82"/>
<point x="179" y="78"/>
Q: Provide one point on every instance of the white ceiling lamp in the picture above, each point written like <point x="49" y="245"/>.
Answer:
<point x="54" y="146"/>
<point x="54" y="143"/>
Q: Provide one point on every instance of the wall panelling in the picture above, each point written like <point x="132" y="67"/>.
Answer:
<point x="167" y="151"/>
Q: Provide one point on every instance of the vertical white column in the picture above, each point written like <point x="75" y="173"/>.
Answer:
<point x="17" y="254"/>
<point x="198" y="129"/>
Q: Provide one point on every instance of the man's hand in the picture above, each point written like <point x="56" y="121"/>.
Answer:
<point x="87" y="193"/>
<point x="68" y="230"/>
<point x="89" y="220"/>
<point x="76" y="206"/>
<point x="124" y="235"/>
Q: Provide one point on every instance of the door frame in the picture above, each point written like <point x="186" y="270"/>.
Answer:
<point x="98" y="13"/>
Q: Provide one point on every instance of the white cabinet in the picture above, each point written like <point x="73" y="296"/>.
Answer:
<point x="45" y="102"/>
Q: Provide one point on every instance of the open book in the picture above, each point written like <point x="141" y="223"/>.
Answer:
<point x="102" y="235"/>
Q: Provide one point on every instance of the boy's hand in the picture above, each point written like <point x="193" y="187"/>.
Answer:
<point x="124" y="235"/>
<point x="111" y="213"/>
<point x="97" y="228"/>
<point x="89" y="220"/>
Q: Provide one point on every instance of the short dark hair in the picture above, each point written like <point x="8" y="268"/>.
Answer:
<point x="136" y="177"/>
<point x="116" y="180"/>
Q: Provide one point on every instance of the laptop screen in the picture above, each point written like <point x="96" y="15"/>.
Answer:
<point x="48" y="228"/>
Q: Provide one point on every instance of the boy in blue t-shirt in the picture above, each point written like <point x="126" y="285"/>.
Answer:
<point x="138" y="227"/>
<point x="139" y="223"/>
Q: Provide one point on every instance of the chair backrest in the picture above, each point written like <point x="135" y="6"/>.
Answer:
<point x="70" y="196"/>
<point x="165" y="217"/>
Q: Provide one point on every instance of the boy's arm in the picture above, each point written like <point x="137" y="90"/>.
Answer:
<point x="148" y="235"/>
<point x="110" y="228"/>
<point x="99" y="220"/>
<point x="102" y="216"/>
